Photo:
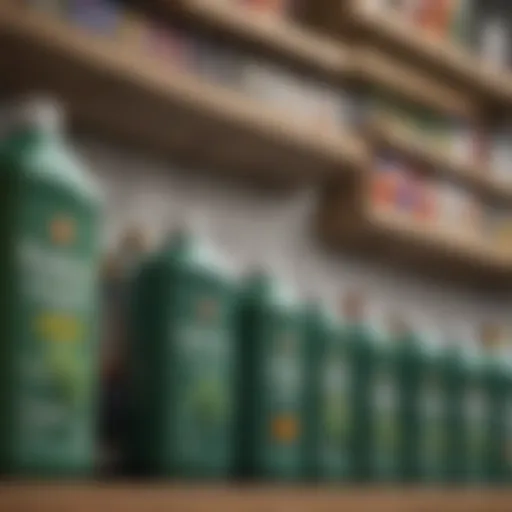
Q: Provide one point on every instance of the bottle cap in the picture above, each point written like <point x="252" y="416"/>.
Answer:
<point x="35" y="111"/>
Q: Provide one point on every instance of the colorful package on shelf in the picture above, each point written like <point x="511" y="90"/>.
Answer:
<point x="54" y="7"/>
<point x="494" y="40"/>
<point x="390" y="187"/>
<point x="460" y="210"/>
<point x="102" y="16"/>
<point x="436" y="16"/>
<point x="329" y="108"/>
<point x="278" y="88"/>
<point x="465" y="143"/>
<point x="501" y="154"/>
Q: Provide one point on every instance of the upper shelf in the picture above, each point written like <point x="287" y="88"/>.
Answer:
<point x="113" y="87"/>
<point x="276" y="36"/>
<point x="440" y="57"/>
<point x="289" y="42"/>
<point x="480" y="178"/>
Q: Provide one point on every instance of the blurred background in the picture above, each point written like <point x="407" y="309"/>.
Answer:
<point x="256" y="240"/>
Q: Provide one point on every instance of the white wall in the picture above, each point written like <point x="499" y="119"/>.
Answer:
<point x="253" y="227"/>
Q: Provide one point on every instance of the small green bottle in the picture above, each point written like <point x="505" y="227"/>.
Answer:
<point x="496" y="378"/>
<point x="373" y="396"/>
<point x="413" y="388"/>
<point x="455" y="379"/>
<point x="475" y="415"/>
<point x="271" y="380"/>
<point x="433" y="431"/>
<point x="328" y="397"/>
<point x="49" y="298"/>
<point x="183" y="361"/>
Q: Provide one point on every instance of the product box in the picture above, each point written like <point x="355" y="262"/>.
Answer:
<point x="100" y="16"/>
<point x="389" y="184"/>
<point x="54" y="7"/>
<point x="460" y="211"/>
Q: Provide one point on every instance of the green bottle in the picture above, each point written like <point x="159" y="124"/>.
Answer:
<point x="415" y="391"/>
<point x="475" y="416"/>
<point x="183" y="362"/>
<point x="271" y="381"/>
<point x="373" y="397"/>
<point x="496" y="377"/>
<point x="49" y="256"/>
<point x="455" y="380"/>
<point x="433" y="432"/>
<point x="328" y="397"/>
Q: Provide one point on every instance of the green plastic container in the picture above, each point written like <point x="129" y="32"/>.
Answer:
<point x="456" y="378"/>
<point x="433" y="420"/>
<point x="497" y="384"/>
<point x="373" y="396"/>
<point x="183" y="362"/>
<point x="49" y="298"/>
<point x="271" y="385"/>
<point x="416" y="390"/>
<point x="328" y="398"/>
<point x="475" y="418"/>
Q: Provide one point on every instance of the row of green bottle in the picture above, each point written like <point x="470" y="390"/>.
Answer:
<point x="243" y="380"/>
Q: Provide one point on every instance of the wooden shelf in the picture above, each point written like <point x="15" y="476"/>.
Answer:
<point x="277" y="37"/>
<point x="346" y="220"/>
<point x="117" y="90"/>
<point x="156" y="498"/>
<point x="336" y="62"/>
<point x="442" y="58"/>
<point x="375" y="68"/>
<point x="480" y="179"/>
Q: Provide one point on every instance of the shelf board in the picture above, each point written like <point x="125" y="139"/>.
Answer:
<point x="276" y="36"/>
<point x="443" y="58"/>
<point x="335" y="61"/>
<point x="120" y="91"/>
<point x="374" y="67"/>
<point x="139" y="498"/>
<point x="347" y="221"/>
<point x="479" y="178"/>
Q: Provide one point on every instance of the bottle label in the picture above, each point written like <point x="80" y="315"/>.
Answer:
<point x="284" y="382"/>
<point x="55" y="332"/>
<point x="334" y="410"/>
<point x="386" y="425"/>
<point x="204" y="384"/>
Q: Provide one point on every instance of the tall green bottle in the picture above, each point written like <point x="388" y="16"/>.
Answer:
<point x="455" y="379"/>
<point x="496" y="377"/>
<point x="183" y="362"/>
<point x="49" y="256"/>
<point x="419" y="405"/>
<point x="475" y="416"/>
<point x="328" y="398"/>
<point x="271" y="382"/>
<point x="373" y="397"/>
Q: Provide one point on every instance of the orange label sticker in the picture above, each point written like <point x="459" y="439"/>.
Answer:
<point x="62" y="230"/>
<point x="285" y="428"/>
